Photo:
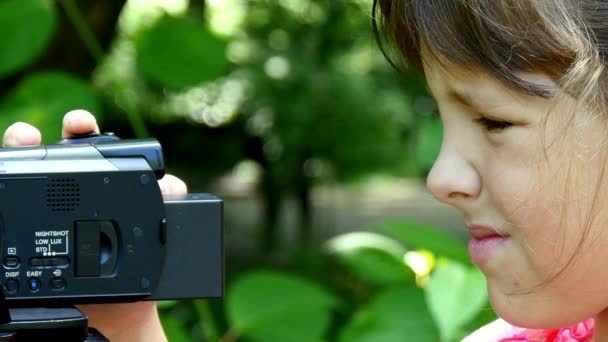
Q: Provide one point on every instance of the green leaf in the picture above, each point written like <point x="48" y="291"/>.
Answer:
<point x="26" y="28"/>
<point x="42" y="99"/>
<point x="206" y="320"/>
<point x="421" y="236"/>
<point x="166" y="304"/>
<point x="375" y="258"/>
<point x="455" y="294"/>
<point x="397" y="314"/>
<point x="180" y="52"/>
<point x="174" y="329"/>
<point x="269" y="306"/>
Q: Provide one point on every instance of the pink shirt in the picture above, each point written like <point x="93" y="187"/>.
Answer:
<point x="501" y="331"/>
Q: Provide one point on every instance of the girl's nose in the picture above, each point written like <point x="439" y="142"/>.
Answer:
<point x="453" y="180"/>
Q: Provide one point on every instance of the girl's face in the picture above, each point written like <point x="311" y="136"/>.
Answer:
<point x="529" y="168"/>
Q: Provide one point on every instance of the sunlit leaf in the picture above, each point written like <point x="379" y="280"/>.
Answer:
<point x="374" y="258"/>
<point x="423" y="236"/>
<point x="26" y="28"/>
<point x="269" y="306"/>
<point x="180" y="52"/>
<point x="42" y="99"/>
<point x="456" y="294"/>
<point x="397" y="314"/>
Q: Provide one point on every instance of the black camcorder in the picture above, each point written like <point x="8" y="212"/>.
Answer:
<point x="84" y="221"/>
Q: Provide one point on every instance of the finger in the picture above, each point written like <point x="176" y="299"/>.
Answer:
<point x="21" y="134"/>
<point x="171" y="185"/>
<point x="77" y="122"/>
<point x="120" y="318"/>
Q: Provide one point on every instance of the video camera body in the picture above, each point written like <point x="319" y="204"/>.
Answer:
<point x="84" y="221"/>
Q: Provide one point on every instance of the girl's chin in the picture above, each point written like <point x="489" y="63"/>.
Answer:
<point x="528" y="309"/>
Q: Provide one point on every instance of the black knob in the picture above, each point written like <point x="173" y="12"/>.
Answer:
<point x="90" y="138"/>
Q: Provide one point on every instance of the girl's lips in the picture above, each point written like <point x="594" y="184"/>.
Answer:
<point x="479" y="232"/>
<point x="484" y="242"/>
<point x="481" y="250"/>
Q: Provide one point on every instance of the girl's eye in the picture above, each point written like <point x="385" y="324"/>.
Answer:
<point x="493" y="126"/>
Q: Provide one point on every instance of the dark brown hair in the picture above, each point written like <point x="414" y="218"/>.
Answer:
<point x="566" y="39"/>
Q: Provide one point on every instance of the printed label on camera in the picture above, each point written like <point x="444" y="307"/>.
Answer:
<point x="51" y="242"/>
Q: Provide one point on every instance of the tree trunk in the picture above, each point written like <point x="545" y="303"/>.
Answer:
<point x="271" y="194"/>
<point x="304" y="199"/>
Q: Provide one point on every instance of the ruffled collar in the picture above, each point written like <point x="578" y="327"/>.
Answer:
<point x="581" y="332"/>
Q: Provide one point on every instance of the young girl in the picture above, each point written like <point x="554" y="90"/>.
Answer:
<point x="521" y="87"/>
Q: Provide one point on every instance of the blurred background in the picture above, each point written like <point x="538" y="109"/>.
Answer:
<point x="288" y="111"/>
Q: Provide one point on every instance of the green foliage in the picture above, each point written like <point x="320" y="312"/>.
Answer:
<point x="429" y="141"/>
<point x="174" y="329"/>
<point x="396" y="306"/>
<point x="376" y="259"/>
<point x="456" y="294"/>
<point x="344" y="106"/>
<point x="423" y="236"/>
<point x="180" y="52"/>
<point x="393" y="315"/>
<point x="41" y="99"/>
<point x="267" y="306"/>
<point x="26" y="27"/>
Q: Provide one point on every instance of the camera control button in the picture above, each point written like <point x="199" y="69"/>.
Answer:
<point x="44" y="262"/>
<point x="11" y="261"/>
<point x="11" y="285"/>
<point x="33" y="284"/>
<point x="57" y="283"/>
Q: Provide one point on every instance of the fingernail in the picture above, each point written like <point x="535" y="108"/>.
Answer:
<point x="74" y="120"/>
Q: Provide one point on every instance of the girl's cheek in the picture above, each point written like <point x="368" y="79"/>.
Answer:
<point x="512" y="185"/>
<point x="547" y="206"/>
<point x="520" y="183"/>
<point x="531" y="208"/>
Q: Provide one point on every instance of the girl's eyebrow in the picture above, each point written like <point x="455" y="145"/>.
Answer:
<point x="461" y="96"/>
<point x="465" y="98"/>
